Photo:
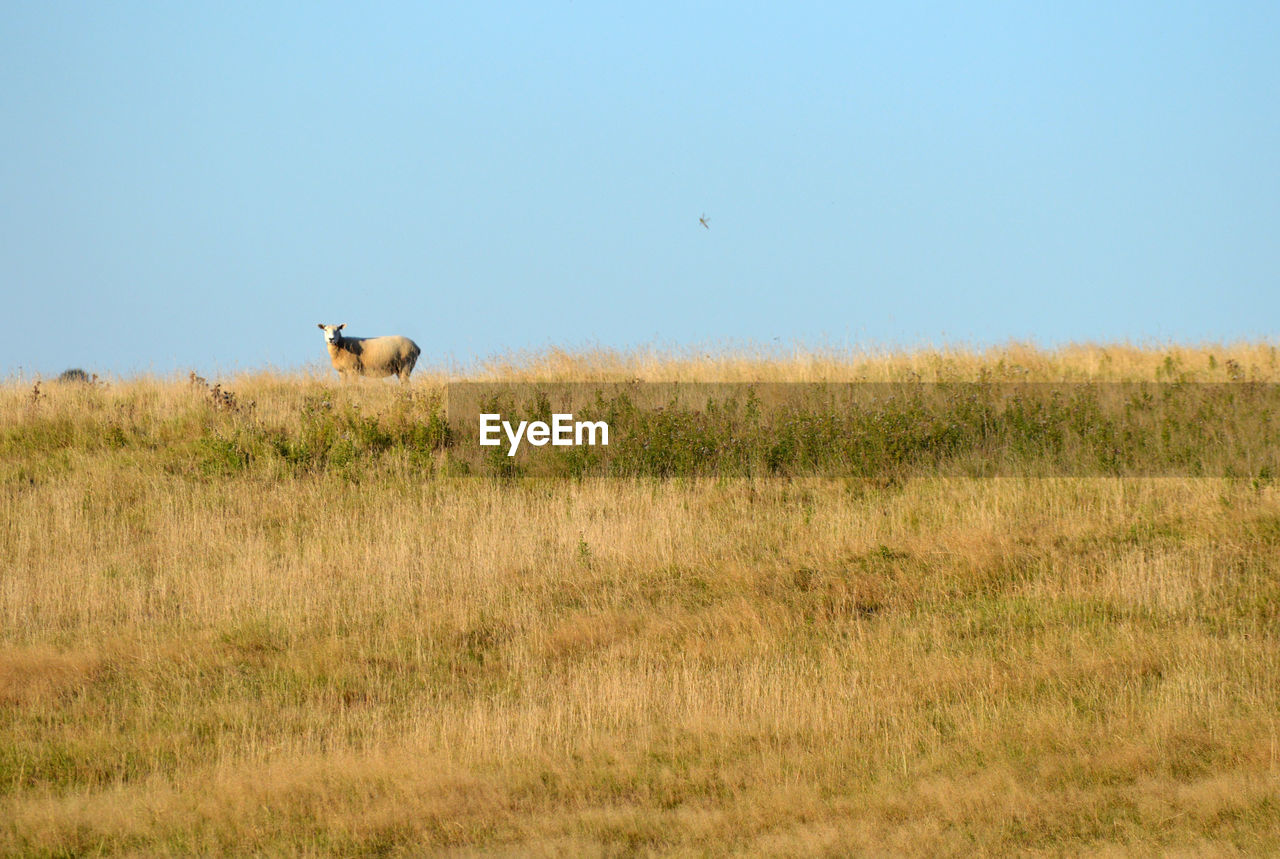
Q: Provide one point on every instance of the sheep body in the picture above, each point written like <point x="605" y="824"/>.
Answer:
<point x="75" y="376"/>
<point x="377" y="357"/>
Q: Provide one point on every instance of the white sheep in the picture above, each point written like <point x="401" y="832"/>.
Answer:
<point x="370" y="356"/>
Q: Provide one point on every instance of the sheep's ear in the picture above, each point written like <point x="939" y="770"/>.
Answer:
<point x="343" y="325"/>
<point x="320" y="325"/>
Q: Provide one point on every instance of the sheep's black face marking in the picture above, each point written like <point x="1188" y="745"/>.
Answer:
<point x="332" y="334"/>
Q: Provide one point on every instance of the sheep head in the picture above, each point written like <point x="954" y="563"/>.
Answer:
<point x="331" y="332"/>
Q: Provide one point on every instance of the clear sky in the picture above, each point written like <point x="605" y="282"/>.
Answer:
<point x="197" y="185"/>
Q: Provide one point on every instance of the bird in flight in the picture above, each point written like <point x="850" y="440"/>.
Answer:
<point x="705" y="221"/>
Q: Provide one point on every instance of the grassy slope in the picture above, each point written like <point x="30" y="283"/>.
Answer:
<point x="353" y="655"/>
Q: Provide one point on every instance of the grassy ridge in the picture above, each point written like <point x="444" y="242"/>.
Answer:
<point x="663" y="431"/>
<point x="270" y="620"/>
<point x="879" y="429"/>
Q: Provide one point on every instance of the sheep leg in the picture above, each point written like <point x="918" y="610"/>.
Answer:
<point x="406" y="368"/>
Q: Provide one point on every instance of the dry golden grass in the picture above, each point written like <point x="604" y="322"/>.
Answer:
<point x="384" y="660"/>
<point x="1011" y="362"/>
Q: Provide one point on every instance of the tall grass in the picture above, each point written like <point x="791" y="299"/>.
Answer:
<point x="267" y="618"/>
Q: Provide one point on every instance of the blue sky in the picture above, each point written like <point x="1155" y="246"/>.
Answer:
<point x="197" y="185"/>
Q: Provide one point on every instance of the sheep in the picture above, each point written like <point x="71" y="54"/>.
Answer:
<point x="75" y="376"/>
<point x="370" y="356"/>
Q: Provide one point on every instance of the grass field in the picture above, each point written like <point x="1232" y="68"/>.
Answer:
<point x="272" y="620"/>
